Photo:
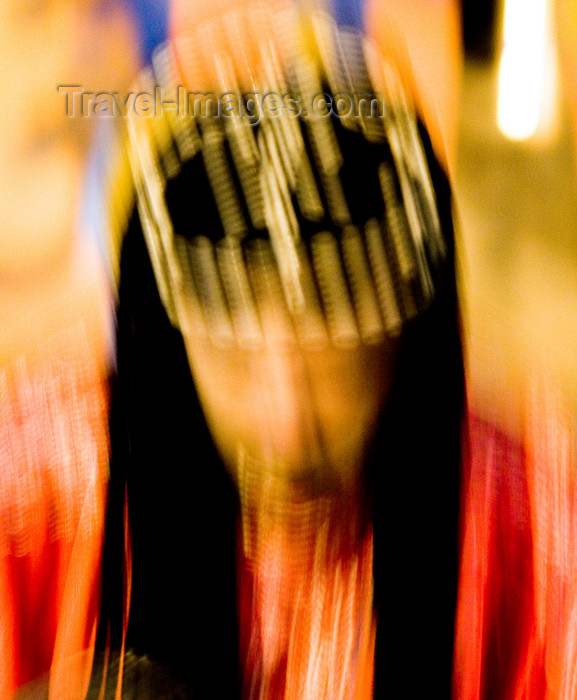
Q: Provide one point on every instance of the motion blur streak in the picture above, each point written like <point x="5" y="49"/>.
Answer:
<point x="516" y="637"/>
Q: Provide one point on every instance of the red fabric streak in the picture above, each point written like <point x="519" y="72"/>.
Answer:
<point x="518" y="588"/>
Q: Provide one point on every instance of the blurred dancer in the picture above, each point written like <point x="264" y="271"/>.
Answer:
<point x="292" y="504"/>
<point x="270" y="489"/>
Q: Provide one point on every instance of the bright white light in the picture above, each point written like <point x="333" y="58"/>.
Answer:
<point x="527" y="70"/>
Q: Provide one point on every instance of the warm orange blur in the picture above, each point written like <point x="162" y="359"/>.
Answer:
<point x="49" y="275"/>
<point x="54" y="311"/>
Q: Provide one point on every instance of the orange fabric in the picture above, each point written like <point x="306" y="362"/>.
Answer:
<point x="306" y="613"/>
<point x="54" y="457"/>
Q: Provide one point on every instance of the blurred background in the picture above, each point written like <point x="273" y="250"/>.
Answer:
<point x="50" y="275"/>
<point x="515" y="184"/>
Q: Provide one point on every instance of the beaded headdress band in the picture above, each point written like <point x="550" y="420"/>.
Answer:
<point x="310" y="194"/>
